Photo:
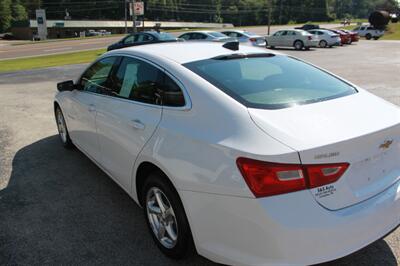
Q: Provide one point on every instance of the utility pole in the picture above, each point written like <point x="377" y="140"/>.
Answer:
<point x="126" y="16"/>
<point x="134" y="16"/>
<point x="269" y="15"/>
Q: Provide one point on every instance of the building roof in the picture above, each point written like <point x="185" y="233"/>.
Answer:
<point x="185" y="52"/>
<point x="121" y="24"/>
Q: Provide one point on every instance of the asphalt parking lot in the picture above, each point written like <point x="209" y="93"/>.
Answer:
<point x="57" y="207"/>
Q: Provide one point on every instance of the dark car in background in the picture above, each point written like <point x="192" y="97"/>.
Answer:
<point x="141" y="38"/>
<point x="308" y="27"/>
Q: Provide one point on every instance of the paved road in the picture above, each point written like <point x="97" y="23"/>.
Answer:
<point x="9" y="50"/>
<point x="57" y="207"/>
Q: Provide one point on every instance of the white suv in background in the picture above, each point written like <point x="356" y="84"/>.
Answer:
<point x="369" y="32"/>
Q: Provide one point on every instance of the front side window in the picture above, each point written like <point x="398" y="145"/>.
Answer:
<point x="185" y="36"/>
<point x="137" y="80"/>
<point x="270" y="81"/>
<point x="95" y="78"/>
<point x="129" y="40"/>
<point x="198" y="36"/>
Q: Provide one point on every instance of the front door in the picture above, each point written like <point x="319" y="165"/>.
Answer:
<point x="83" y="104"/>
<point x="128" y="116"/>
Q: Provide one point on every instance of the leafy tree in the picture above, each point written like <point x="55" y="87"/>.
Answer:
<point x="5" y="15"/>
<point x="18" y="11"/>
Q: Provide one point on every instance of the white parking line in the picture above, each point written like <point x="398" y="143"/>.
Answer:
<point x="58" y="49"/>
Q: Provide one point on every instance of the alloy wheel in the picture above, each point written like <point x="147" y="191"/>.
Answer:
<point x="161" y="217"/>
<point x="62" y="128"/>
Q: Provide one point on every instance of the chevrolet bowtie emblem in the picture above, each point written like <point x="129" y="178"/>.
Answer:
<point x="386" y="144"/>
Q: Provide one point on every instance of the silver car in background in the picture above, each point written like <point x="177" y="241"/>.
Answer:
<point x="298" y="39"/>
<point x="326" y="38"/>
<point x="205" y="36"/>
<point x="246" y="37"/>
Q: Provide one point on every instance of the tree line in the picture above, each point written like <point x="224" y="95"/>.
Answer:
<point x="238" y="12"/>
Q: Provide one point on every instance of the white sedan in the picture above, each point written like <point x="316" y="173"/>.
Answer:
<point x="246" y="37"/>
<point x="247" y="156"/>
<point x="326" y="38"/>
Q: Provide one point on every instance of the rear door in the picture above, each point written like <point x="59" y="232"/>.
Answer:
<point x="128" y="116"/>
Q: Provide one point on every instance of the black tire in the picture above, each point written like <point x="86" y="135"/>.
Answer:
<point x="323" y="44"/>
<point x="368" y="36"/>
<point x="298" y="45"/>
<point x="184" y="246"/>
<point x="65" y="139"/>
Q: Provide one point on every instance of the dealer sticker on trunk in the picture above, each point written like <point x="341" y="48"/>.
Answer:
<point x="325" y="191"/>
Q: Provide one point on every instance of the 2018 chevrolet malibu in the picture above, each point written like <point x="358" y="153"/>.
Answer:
<point x="247" y="156"/>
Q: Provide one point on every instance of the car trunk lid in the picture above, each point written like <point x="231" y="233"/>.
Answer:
<point x="359" y="129"/>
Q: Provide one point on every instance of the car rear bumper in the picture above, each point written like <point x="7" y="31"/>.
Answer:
<point x="289" y="229"/>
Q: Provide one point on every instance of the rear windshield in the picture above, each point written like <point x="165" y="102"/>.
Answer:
<point x="164" y="36"/>
<point x="270" y="81"/>
<point x="217" y="34"/>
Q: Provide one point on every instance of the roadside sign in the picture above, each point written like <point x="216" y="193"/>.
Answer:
<point x="41" y="23"/>
<point x="138" y="7"/>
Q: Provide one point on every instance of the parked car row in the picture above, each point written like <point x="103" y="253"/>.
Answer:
<point x="304" y="37"/>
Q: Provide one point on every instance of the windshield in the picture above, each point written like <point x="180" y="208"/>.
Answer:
<point x="217" y="34"/>
<point x="164" y="36"/>
<point x="270" y="81"/>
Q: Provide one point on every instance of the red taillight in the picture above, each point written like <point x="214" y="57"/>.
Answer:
<point x="253" y="39"/>
<point x="268" y="179"/>
<point x="323" y="174"/>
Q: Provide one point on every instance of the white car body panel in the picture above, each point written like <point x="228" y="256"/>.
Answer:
<point x="330" y="38"/>
<point x="197" y="146"/>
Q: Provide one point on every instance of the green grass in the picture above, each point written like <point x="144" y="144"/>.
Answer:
<point x="392" y="32"/>
<point x="67" y="39"/>
<point x="11" y="65"/>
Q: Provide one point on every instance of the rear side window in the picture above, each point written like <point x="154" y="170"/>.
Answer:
<point x="140" y="81"/>
<point x="137" y="80"/>
<point x="172" y="93"/>
<point x="270" y="82"/>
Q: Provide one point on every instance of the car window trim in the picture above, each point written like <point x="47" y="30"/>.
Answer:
<point x="188" y="102"/>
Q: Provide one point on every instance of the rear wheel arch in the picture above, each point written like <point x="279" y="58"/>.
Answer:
<point x="144" y="170"/>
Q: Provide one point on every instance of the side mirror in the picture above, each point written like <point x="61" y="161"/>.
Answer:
<point x="66" y="86"/>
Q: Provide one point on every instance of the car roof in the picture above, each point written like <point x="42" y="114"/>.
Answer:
<point x="241" y="31"/>
<point x="185" y="52"/>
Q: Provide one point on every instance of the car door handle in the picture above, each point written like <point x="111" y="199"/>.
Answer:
<point x="137" y="124"/>
<point x="91" y="108"/>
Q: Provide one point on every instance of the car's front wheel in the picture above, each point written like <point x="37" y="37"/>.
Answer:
<point x="166" y="217"/>
<point x="62" y="129"/>
<point x="368" y="36"/>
